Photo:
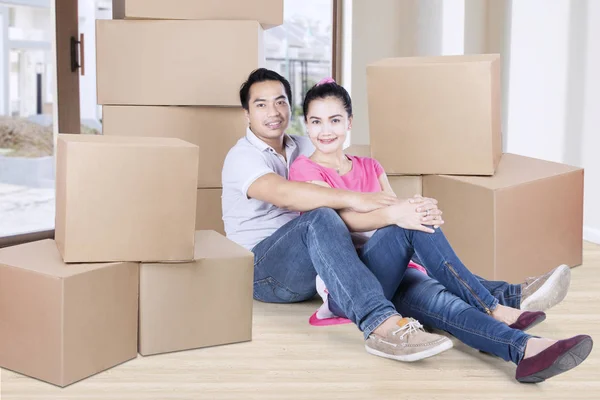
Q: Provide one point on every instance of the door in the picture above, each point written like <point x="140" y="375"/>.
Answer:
<point x="70" y="61"/>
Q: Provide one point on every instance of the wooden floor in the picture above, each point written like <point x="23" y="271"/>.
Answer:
<point x="289" y="359"/>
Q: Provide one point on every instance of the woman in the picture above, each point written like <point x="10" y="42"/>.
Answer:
<point x="463" y="306"/>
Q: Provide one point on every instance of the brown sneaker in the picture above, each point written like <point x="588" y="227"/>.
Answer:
<point x="546" y="291"/>
<point x="409" y="342"/>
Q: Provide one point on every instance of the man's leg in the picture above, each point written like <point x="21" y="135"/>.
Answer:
<point x="318" y="242"/>
<point x="508" y="294"/>
<point x="535" y="294"/>
<point x="428" y="301"/>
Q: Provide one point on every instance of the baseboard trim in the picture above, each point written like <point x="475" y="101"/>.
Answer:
<point x="591" y="235"/>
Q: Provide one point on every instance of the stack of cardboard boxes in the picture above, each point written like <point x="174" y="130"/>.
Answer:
<point x="438" y="119"/>
<point x="130" y="270"/>
<point x="174" y="68"/>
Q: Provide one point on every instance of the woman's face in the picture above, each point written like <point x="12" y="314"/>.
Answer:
<point x="327" y="123"/>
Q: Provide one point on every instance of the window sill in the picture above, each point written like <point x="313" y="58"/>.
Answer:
<point x="25" y="238"/>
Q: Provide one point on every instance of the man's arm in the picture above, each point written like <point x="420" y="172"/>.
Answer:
<point x="301" y="196"/>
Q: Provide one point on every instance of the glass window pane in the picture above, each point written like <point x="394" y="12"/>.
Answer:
<point x="301" y="50"/>
<point x="26" y="139"/>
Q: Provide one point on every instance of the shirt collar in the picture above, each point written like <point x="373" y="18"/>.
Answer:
<point x="262" y="146"/>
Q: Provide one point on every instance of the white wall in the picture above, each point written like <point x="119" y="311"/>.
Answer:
<point x="591" y="119"/>
<point x="554" y="90"/>
<point x="377" y="32"/>
<point x="538" y="78"/>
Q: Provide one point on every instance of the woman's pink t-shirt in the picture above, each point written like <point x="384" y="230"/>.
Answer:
<point x="363" y="177"/>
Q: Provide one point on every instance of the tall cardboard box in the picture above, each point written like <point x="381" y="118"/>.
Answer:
<point x="62" y="323"/>
<point x="125" y="198"/>
<point x="209" y="211"/>
<point x="213" y="129"/>
<point x="268" y="12"/>
<point x="207" y="302"/>
<point x="436" y="115"/>
<point x="185" y="63"/>
<point x="522" y="222"/>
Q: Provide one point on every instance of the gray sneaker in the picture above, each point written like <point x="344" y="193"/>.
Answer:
<point x="409" y="342"/>
<point x="546" y="291"/>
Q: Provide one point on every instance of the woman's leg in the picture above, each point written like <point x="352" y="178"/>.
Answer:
<point x="441" y="263"/>
<point x="386" y="260"/>
<point x="538" y="359"/>
<point x="387" y="257"/>
<point x="428" y="301"/>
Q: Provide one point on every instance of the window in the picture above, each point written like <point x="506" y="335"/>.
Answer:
<point x="301" y="50"/>
<point x="26" y="139"/>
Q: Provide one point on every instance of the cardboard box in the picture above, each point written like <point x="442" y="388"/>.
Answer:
<point x="209" y="211"/>
<point x="436" y="115"/>
<point x="207" y="302"/>
<point x="63" y="323"/>
<point x="125" y="199"/>
<point x="406" y="186"/>
<point x="359" y="150"/>
<point x="522" y="222"/>
<point x="185" y="63"/>
<point x="268" y="12"/>
<point x="215" y="130"/>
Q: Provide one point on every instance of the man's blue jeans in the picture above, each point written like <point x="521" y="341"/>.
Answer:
<point x="362" y="289"/>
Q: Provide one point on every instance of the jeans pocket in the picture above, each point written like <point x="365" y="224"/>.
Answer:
<point x="271" y="291"/>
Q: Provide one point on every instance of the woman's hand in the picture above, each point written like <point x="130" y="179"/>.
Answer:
<point x="433" y="215"/>
<point x="415" y="214"/>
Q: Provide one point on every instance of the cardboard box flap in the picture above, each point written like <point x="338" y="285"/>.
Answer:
<point x="125" y="140"/>
<point x="460" y="59"/>
<point x="43" y="257"/>
<point x="514" y="170"/>
<point x="210" y="244"/>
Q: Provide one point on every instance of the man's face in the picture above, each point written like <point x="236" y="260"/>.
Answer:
<point x="268" y="109"/>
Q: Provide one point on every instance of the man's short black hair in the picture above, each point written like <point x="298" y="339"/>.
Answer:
<point x="262" y="75"/>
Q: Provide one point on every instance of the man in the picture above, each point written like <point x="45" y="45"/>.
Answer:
<point x="261" y="211"/>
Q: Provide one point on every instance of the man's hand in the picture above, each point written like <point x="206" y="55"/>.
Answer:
<point x="367" y="202"/>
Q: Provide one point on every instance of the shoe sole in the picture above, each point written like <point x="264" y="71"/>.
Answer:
<point x="564" y="363"/>
<point x="446" y="345"/>
<point x="552" y="292"/>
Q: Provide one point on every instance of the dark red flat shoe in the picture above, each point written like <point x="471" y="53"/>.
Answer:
<point x="528" y="319"/>
<point x="561" y="357"/>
